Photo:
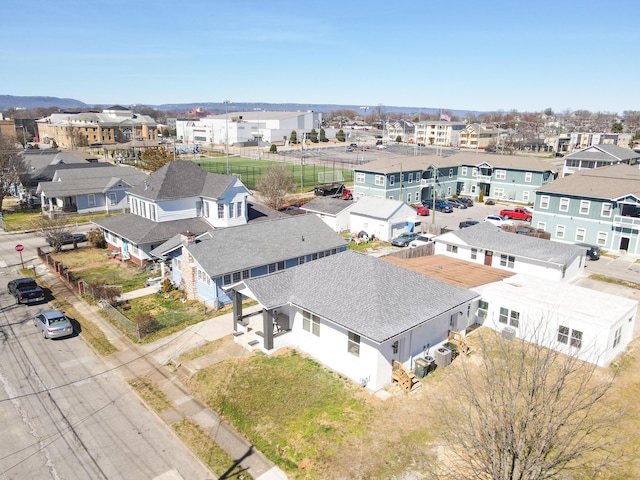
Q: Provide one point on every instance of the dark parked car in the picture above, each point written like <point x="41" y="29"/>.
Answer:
<point x="593" y="251"/>
<point x="468" y="223"/>
<point x="488" y="201"/>
<point x="25" y="290"/>
<point x="441" y="205"/>
<point x="404" y="239"/>
<point x="53" y="324"/>
<point x="456" y="203"/>
<point x="467" y="201"/>
<point x="67" y="238"/>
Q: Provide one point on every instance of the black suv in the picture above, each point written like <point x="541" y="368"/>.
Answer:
<point x="25" y="290"/>
<point x="593" y="252"/>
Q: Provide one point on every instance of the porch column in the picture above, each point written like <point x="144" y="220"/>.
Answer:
<point x="267" y="328"/>
<point x="237" y="309"/>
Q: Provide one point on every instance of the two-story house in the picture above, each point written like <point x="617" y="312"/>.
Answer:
<point x="597" y="156"/>
<point x="179" y="197"/>
<point x="476" y="175"/>
<point x="478" y="135"/>
<point x="438" y="133"/>
<point x="598" y="206"/>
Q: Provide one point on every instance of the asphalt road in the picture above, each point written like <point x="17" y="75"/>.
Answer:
<point x="65" y="414"/>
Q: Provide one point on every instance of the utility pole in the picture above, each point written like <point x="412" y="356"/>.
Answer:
<point x="226" y="120"/>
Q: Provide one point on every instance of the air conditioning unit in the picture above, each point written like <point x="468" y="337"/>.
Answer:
<point x="508" y="333"/>
<point x="443" y="357"/>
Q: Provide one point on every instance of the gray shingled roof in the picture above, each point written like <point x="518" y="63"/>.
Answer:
<point x="256" y="244"/>
<point x="487" y="236"/>
<point x="365" y="295"/>
<point x="327" y="205"/>
<point x="605" y="183"/>
<point x="604" y="153"/>
<point x="378" y="207"/>
<point x="508" y="162"/>
<point x="78" y="181"/>
<point x="182" y="179"/>
<point x="141" y="231"/>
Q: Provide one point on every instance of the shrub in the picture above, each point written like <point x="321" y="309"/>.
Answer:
<point x="273" y="148"/>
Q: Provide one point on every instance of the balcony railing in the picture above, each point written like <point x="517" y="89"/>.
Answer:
<point x="484" y="178"/>
<point x="625" y="221"/>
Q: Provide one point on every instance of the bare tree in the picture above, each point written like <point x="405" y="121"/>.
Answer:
<point x="154" y="159"/>
<point x="54" y="229"/>
<point x="274" y="185"/>
<point x="11" y="167"/>
<point x="523" y="411"/>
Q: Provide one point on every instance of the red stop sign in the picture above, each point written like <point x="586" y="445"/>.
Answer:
<point x="19" y="247"/>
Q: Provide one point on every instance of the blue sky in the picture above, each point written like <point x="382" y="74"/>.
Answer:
<point x="468" y="55"/>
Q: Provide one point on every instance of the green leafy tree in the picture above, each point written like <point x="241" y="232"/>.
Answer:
<point x="313" y="136"/>
<point x="54" y="144"/>
<point x="398" y="139"/>
<point x="323" y="135"/>
<point x="96" y="238"/>
<point x="273" y="148"/>
<point x="293" y="139"/>
<point x="617" y="127"/>
<point x="340" y="136"/>
<point x="274" y="185"/>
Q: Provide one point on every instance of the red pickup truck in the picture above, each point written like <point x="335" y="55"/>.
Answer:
<point x="516" y="214"/>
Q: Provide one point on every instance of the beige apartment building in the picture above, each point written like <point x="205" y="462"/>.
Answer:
<point x="478" y="135"/>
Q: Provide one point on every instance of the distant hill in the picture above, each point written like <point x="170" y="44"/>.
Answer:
<point x="9" y="101"/>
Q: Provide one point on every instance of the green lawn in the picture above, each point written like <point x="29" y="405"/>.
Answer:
<point x="27" y="220"/>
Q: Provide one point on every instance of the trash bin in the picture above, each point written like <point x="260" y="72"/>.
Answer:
<point x="453" y="348"/>
<point x="421" y="368"/>
<point x="431" y="363"/>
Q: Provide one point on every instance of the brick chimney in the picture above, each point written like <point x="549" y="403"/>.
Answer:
<point x="188" y="237"/>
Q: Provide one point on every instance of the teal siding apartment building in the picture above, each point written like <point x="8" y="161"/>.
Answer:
<point x="599" y="206"/>
<point x="475" y="175"/>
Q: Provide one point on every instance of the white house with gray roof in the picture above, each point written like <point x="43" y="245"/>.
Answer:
<point x="205" y="265"/>
<point x="177" y="198"/>
<point x="590" y="325"/>
<point x="89" y="190"/>
<point x="597" y="156"/>
<point x="355" y="324"/>
<point x="598" y="206"/>
<point x="382" y="217"/>
<point x="332" y="211"/>
<point x="487" y="244"/>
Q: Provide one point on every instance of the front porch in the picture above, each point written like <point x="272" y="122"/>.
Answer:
<point x="266" y="330"/>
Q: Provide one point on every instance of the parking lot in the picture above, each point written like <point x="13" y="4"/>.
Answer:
<point x="450" y="221"/>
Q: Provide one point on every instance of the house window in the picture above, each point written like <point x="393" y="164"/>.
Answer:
<point x="245" y="274"/>
<point x="527" y="177"/>
<point x="205" y="209"/>
<point x="525" y="196"/>
<point x="501" y="174"/>
<point x="152" y="209"/>
<point x="580" y="233"/>
<point x="237" y="276"/>
<point x="584" y="207"/>
<point x="606" y="210"/>
<point x="452" y="248"/>
<point x="410" y="178"/>
<point x="392" y="179"/>
<point x="474" y="253"/>
<point x="239" y="209"/>
<point x="483" y="309"/>
<point x="564" y="205"/>
<point x="542" y="225"/>
<point x="498" y="192"/>
<point x="272" y="267"/>
<point x="91" y="199"/>
<point x="380" y="182"/>
<point x="353" y="344"/>
<point x="463" y="171"/>
<point x="544" y="202"/>
<point x="112" y="198"/>
<point x="601" y="238"/>
<point x="559" y="231"/>
<point x="474" y="172"/>
<point x="280" y="266"/>
<point x="395" y="347"/>
<point x="616" y="337"/>
<point x="514" y="319"/>
<point x="417" y="197"/>
<point x="563" y="334"/>
<point x="576" y="338"/>
<point x="311" y="323"/>
<point x="220" y="210"/>
<point x="504" y="315"/>
<point x="507" y="261"/>
<point x="360" y="177"/>
<point x="408" y="198"/>
<point x="301" y="260"/>
<point x="451" y="173"/>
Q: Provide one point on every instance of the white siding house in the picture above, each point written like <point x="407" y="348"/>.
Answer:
<point x="382" y="217"/>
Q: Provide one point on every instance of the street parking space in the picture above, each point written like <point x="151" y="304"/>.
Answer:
<point x="452" y="220"/>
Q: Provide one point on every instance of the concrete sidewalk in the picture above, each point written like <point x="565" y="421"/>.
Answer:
<point x="134" y="361"/>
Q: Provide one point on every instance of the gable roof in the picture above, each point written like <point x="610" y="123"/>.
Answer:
<point x="182" y="179"/>
<point x="397" y="163"/>
<point x="378" y="207"/>
<point x="373" y="300"/>
<point x="487" y="236"/>
<point x="605" y="183"/>
<point x="79" y="181"/>
<point x="141" y="231"/>
<point x="508" y="162"/>
<point x="248" y="246"/>
<point x="45" y="174"/>
<point x="327" y="205"/>
<point x="604" y="153"/>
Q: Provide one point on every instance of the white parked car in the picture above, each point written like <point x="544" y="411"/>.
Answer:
<point x="422" y="240"/>
<point x="497" y="220"/>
